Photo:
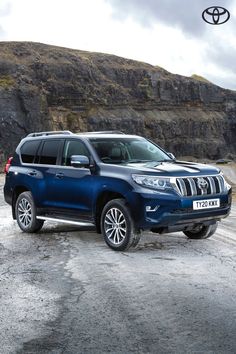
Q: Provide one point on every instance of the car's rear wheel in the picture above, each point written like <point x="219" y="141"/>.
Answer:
<point x="201" y="231"/>
<point x="118" y="227"/>
<point x="26" y="213"/>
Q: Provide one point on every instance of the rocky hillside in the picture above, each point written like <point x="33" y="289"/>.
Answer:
<point x="46" y="87"/>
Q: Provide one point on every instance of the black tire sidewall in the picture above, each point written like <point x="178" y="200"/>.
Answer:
<point x="206" y="232"/>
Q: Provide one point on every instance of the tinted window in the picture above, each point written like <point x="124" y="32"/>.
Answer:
<point x="73" y="147"/>
<point x="28" y="151"/>
<point x="127" y="150"/>
<point x="49" y="152"/>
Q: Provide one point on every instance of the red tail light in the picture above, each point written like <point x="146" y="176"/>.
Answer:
<point x="8" y="164"/>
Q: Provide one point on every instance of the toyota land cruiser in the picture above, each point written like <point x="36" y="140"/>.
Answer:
<point x="122" y="184"/>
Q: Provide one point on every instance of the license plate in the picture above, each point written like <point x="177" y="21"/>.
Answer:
<point x="206" y="204"/>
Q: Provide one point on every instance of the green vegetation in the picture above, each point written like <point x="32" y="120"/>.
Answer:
<point x="200" y="78"/>
<point x="6" y="81"/>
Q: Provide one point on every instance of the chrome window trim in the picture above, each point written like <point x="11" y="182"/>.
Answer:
<point x="35" y="165"/>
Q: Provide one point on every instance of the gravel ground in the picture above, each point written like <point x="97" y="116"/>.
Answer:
<point x="64" y="291"/>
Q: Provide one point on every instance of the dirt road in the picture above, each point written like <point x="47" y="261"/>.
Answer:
<point x="64" y="291"/>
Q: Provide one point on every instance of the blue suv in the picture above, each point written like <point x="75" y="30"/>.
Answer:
<point x="122" y="184"/>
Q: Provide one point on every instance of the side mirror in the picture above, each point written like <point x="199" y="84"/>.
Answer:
<point x="79" y="161"/>
<point x="172" y="156"/>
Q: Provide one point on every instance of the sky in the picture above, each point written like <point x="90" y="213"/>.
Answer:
<point x="167" y="33"/>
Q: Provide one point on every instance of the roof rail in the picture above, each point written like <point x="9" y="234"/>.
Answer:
<point x="103" y="132"/>
<point x="66" y="132"/>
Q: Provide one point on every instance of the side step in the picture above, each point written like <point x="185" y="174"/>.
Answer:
<point x="65" y="221"/>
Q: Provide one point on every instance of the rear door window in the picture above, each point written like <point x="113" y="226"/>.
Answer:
<point x="29" y="150"/>
<point x="50" y="151"/>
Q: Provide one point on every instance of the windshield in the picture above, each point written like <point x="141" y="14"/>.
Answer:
<point x="128" y="150"/>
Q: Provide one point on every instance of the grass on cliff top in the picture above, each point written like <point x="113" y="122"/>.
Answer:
<point x="200" y="78"/>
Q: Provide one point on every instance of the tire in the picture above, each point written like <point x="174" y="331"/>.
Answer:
<point x="202" y="232"/>
<point x="26" y="213"/>
<point x="118" y="227"/>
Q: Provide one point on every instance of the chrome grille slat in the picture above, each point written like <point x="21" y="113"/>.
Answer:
<point x="188" y="186"/>
<point x="182" y="186"/>
<point x="221" y="183"/>
<point x="212" y="184"/>
<point x="192" y="186"/>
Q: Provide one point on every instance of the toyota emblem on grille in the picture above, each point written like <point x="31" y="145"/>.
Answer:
<point x="215" y="15"/>
<point x="202" y="183"/>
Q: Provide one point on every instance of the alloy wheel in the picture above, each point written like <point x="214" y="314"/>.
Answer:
<point x="24" y="212"/>
<point x="115" y="226"/>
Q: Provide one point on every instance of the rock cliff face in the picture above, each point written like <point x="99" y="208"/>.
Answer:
<point x="49" y="88"/>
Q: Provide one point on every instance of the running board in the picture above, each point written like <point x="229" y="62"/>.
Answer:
<point x="78" y="223"/>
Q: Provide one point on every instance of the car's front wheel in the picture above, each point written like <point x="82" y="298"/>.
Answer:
<point x="26" y="213"/>
<point x="117" y="226"/>
<point x="201" y="231"/>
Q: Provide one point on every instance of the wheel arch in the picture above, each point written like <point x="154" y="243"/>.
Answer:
<point x="16" y="192"/>
<point x="101" y="201"/>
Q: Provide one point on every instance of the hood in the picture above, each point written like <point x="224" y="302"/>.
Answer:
<point x="174" y="169"/>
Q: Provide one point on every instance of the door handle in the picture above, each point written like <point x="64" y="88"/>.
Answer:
<point x="60" y="175"/>
<point x="32" y="173"/>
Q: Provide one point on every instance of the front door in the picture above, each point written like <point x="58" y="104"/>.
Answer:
<point x="71" y="188"/>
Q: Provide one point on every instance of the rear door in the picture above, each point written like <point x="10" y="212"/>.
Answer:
<point x="46" y="164"/>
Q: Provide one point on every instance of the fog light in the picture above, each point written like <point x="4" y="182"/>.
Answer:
<point x="152" y="209"/>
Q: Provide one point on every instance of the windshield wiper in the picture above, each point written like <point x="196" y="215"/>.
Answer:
<point x="167" y="160"/>
<point x="138" y="161"/>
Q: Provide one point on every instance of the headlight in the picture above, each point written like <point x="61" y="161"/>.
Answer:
<point x="153" y="182"/>
<point x="227" y="186"/>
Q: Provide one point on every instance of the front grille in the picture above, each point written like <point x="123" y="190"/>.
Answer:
<point x="207" y="185"/>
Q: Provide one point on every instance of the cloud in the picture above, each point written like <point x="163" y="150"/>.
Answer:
<point x="2" y="33"/>
<point x="183" y="14"/>
<point x="5" y="9"/>
<point x="224" y="57"/>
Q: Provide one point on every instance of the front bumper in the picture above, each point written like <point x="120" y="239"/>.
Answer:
<point x="170" y="211"/>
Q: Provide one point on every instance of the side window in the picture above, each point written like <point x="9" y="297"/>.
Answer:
<point x="29" y="150"/>
<point x="49" y="152"/>
<point x="73" y="147"/>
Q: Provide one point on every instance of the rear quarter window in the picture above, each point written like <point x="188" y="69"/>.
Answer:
<point x="29" y="150"/>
